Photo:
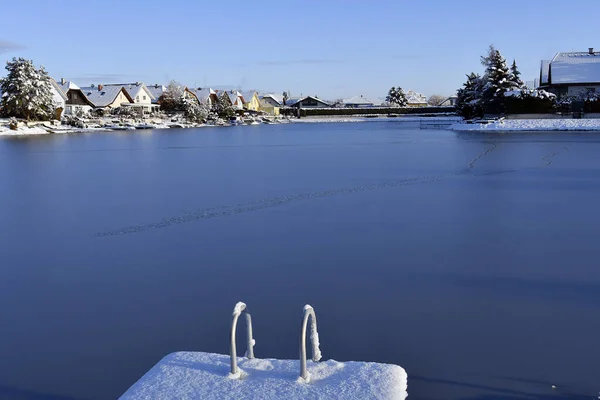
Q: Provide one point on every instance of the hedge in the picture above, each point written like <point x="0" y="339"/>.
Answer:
<point x="313" y="112"/>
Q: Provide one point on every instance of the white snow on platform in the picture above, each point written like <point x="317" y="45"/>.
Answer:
<point x="195" y="375"/>
<point x="531" y="125"/>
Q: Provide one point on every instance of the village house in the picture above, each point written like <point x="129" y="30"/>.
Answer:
<point x="236" y="99"/>
<point x="250" y="100"/>
<point x="571" y="74"/>
<point x="141" y="95"/>
<point x="202" y="95"/>
<point x="450" y="101"/>
<point x="59" y="98"/>
<point x="306" y="102"/>
<point x="107" y="97"/>
<point x="359" y="101"/>
<point x="271" y="103"/>
<point x="156" y="91"/>
<point x="76" y="102"/>
<point x="414" y="99"/>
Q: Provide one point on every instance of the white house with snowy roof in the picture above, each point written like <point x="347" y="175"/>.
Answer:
<point x="141" y="95"/>
<point x="76" y="101"/>
<point x="414" y="99"/>
<point x="107" y="97"/>
<point x="571" y="73"/>
<point x="236" y="99"/>
<point x="59" y="98"/>
<point x="359" y="101"/>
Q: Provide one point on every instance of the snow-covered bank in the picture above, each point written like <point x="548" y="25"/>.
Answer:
<point x="195" y="375"/>
<point x="23" y="130"/>
<point x="315" y="120"/>
<point x="532" y="125"/>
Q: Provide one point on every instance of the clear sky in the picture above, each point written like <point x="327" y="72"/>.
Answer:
<point x="333" y="49"/>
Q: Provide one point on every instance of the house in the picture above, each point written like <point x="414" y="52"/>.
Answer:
<point x="250" y="100"/>
<point x="59" y="98"/>
<point x="156" y="91"/>
<point x="141" y="95"/>
<point x="414" y="99"/>
<point x="236" y="99"/>
<point x="107" y="97"/>
<point x="202" y="95"/>
<point x="450" y="101"/>
<point x="359" y="101"/>
<point x="271" y="103"/>
<point x="76" y="102"/>
<point x="571" y="74"/>
<point x="306" y="102"/>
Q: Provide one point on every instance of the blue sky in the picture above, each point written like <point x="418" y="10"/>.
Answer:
<point x="331" y="48"/>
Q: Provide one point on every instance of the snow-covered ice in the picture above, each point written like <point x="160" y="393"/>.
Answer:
<point x="531" y="125"/>
<point x="196" y="375"/>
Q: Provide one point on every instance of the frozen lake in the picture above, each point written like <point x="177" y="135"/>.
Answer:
<point x="470" y="260"/>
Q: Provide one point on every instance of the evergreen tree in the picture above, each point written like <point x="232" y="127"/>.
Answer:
<point x="496" y="81"/>
<point x="396" y="97"/>
<point x="194" y="111"/>
<point x="515" y="76"/>
<point x="223" y="107"/>
<point x="26" y="91"/>
<point x="468" y="102"/>
<point x="172" y="98"/>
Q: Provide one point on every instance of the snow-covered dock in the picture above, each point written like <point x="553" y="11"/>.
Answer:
<point x="192" y="375"/>
<point x="197" y="375"/>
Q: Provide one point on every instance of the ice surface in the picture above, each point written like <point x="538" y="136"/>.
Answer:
<point x="195" y="375"/>
<point x="532" y="125"/>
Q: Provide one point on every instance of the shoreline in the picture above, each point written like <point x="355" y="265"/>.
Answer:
<point x="529" y="125"/>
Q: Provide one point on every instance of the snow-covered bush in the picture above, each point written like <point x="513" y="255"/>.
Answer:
<point x="26" y="91"/>
<point x="193" y="111"/>
<point x="13" y="123"/>
<point x="528" y="101"/>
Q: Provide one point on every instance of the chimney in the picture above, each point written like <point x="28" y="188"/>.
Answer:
<point x="591" y="50"/>
<point x="62" y="81"/>
<point x="100" y="88"/>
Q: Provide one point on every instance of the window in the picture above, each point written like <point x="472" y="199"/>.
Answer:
<point x="144" y="97"/>
<point x="137" y="99"/>
<point x="75" y="96"/>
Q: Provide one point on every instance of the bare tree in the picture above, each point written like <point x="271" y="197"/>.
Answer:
<point x="436" y="99"/>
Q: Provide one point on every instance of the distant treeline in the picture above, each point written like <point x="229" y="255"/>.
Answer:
<point x="314" y="112"/>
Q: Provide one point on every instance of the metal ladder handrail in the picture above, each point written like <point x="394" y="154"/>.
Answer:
<point x="237" y="310"/>
<point x="314" y="339"/>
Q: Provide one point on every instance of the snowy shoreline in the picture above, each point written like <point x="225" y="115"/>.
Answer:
<point x="529" y="125"/>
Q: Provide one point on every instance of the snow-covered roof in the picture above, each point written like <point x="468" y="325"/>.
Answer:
<point x="59" y="90"/>
<point x="233" y="95"/>
<point x="575" y="67"/>
<point x="359" y="100"/>
<point x="277" y="97"/>
<point x="413" y="97"/>
<point x="156" y="90"/>
<point x="247" y="95"/>
<point x="67" y="85"/>
<point x="294" y="100"/>
<point x="202" y="94"/>
<point x="104" y="97"/>
<point x="133" y="89"/>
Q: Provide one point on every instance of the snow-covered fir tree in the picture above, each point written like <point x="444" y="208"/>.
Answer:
<point x="396" y="97"/>
<point x="496" y="81"/>
<point x="515" y="76"/>
<point x="194" y="111"/>
<point x="223" y="107"/>
<point x="468" y="102"/>
<point x="26" y="91"/>
<point x="172" y="98"/>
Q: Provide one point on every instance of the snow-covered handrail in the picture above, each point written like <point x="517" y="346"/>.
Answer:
<point x="314" y="339"/>
<point x="237" y="310"/>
